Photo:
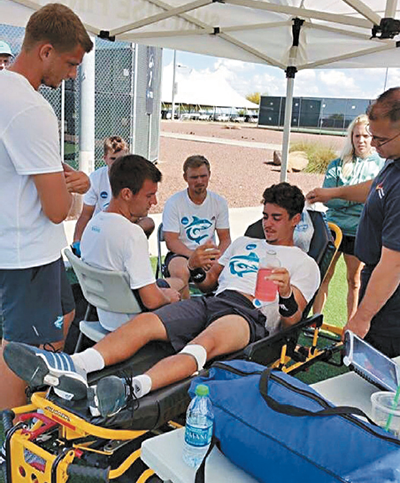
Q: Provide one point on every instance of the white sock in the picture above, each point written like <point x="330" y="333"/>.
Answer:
<point x="89" y="360"/>
<point x="141" y="385"/>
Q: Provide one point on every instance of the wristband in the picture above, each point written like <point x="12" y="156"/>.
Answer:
<point x="76" y="248"/>
<point x="198" y="274"/>
<point x="288" y="306"/>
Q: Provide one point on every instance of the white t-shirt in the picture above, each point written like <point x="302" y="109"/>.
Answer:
<point x="112" y="242"/>
<point x="195" y="224"/>
<point x="99" y="193"/>
<point x="241" y="260"/>
<point x="28" y="145"/>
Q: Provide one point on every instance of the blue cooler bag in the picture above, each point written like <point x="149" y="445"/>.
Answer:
<point x="280" y="430"/>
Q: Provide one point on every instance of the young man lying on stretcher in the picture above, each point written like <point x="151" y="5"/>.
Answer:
<point x="199" y="329"/>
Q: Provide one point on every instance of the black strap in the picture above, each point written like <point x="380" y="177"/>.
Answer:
<point x="200" y="473"/>
<point x="296" y="411"/>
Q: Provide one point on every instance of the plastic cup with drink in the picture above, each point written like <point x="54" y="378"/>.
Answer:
<point x="266" y="289"/>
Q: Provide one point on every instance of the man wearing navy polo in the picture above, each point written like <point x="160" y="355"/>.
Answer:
<point x="377" y="319"/>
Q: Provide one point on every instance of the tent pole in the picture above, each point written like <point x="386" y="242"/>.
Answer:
<point x="87" y="91"/>
<point x="173" y="88"/>
<point x="290" y="74"/>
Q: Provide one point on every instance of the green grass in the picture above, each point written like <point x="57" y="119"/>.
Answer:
<point x="319" y="155"/>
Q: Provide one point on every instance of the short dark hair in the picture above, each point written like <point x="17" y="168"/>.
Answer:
<point x="131" y="171"/>
<point x="59" y="26"/>
<point x="286" y="196"/>
<point x="386" y="106"/>
<point x="196" y="161"/>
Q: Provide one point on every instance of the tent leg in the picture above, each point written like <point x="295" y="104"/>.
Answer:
<point x="290" y="74"/>
<point x="87" y="94"/>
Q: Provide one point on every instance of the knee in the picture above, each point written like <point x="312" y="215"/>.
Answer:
<point x="147" y="225"/>
<point x="179" y="270"/>
<point x="198" y="352"/>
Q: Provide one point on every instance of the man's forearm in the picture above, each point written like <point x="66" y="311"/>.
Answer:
<point x="357" y="193"/>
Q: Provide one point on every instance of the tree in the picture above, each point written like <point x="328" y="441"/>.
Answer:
<point x="254" y="97"/>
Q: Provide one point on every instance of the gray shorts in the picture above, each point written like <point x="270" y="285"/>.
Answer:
<point x="185" y="320"/>
<point x="33" y="302"/>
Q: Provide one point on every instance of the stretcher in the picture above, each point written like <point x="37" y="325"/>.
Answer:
<point x="53" y="440"/>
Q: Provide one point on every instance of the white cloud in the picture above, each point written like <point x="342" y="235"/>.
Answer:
<point x="337" y="79"/>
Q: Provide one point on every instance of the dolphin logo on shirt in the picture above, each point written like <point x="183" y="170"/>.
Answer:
<point x="196" y="227"/>
<point x="241" y="264"/>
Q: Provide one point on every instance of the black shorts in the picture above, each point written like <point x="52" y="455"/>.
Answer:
<point x="347" y="245"/>
<point x="33" y="302"/>
<point x="185" y="320"/>
<point x="168" y="257"/>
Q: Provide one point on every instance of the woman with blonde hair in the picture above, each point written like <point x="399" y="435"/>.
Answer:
<point x="358" y="162"/>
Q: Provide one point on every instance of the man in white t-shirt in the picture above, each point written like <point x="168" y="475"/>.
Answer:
<point x="99" y="194"/>
<point x="201" y="328"/>
<point x="191" y="217"/>
<point x="35" y="188"/>
<point x="112" y="239"/>
<point x="5" y="55"/>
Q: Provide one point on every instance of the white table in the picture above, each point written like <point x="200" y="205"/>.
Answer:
<point x="164" y="453"/>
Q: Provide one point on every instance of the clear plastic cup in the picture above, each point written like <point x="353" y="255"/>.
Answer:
<point x="385" y="412"/>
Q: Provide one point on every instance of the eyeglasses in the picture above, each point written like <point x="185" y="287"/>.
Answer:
<point x="379" y="141"/>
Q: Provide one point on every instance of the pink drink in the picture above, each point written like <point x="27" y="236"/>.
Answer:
<point x="266" y="289"/>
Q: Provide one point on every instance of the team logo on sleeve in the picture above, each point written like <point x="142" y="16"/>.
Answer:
<point x="197" y="230"/>
<point x="379" y="189"/>
<point x="104" y="195"/>
<point x="240" y="265"/>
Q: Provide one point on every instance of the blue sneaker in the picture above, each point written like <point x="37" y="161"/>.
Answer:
<point x="108" y="397"/>
<point x="37" y="367"/>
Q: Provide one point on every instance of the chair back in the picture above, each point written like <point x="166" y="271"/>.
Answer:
<point x="160" y="239"/>
<point x="105" y="289"/>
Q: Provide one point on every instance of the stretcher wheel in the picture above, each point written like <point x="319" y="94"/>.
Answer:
<point x="7" y="418"/>
<point x="80" y="472"/>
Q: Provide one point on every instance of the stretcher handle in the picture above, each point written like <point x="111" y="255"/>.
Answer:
<point x="81" y="472"/>
<point x="296" y="411"/>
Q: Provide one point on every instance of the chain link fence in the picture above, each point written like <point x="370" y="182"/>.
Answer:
<point x="121" y="78"/>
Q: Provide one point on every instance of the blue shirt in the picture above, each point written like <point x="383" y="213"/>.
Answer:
<point x="380" y="220"/>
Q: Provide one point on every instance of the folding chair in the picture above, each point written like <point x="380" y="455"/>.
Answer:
<point x="103" y="289"/>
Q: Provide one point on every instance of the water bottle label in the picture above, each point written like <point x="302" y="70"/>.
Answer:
<point x="199" y="437"/>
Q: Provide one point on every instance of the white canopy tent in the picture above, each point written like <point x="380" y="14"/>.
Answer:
<point x="203" y="89"/>
<point x="290" y="34"/>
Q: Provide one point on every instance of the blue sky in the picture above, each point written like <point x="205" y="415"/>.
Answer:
<point x="247" y="78"/>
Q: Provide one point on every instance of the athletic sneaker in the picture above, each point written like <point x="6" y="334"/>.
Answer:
<point x="38" y="367"/>
<point x="108" y="397"/>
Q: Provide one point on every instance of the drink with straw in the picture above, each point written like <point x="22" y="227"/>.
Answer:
<point x="386" y="411"/>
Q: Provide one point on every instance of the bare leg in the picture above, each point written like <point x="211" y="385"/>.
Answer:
<point x="130" y="337"/>
<point x="13" y="388"/>
<point x="354" y="267"/>
<point x="322" y="294"/>
<point x="227" y="334"/>
<point x="177" y="267"/>
<point x="147" y="224"/>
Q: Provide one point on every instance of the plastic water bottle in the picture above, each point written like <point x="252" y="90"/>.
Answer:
<point x="199" y="427"/>
<point x="266" y="290"/>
